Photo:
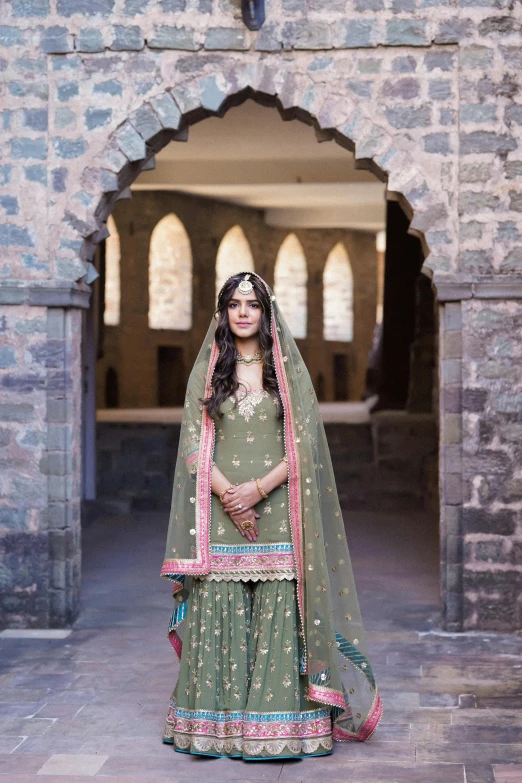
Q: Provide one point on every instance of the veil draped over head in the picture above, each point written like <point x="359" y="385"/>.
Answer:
<point x="333" y="647"/>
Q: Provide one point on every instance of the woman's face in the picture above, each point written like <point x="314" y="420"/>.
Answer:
<point x="244" y="314"/>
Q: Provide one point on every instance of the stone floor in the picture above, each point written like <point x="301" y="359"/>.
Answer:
<point x="93" y="704"/>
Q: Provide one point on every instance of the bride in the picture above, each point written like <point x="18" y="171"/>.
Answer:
<point x="273" y="661"/>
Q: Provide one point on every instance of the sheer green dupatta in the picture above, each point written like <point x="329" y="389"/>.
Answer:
<point x="187" y="549"/>
<point x="335" y="657"/>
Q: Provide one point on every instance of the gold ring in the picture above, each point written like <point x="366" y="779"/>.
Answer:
<point x="247" y="525"/>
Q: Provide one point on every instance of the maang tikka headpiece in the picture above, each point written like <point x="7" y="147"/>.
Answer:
<point x="246" y="286"/>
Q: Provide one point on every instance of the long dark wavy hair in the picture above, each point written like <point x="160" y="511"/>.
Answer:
<point x="224" y="379"/>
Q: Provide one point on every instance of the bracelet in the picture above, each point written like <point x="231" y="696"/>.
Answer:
<point x="285" y="458"/>
<point x="222" y="495"/>
<point x="260" y="488"/>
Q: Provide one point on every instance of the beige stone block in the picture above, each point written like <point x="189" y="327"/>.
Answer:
<point x="507" y="773"/>
<point x="72" y="764"/>
<point x="468" y="753"/>
<point x="453" y="345"/>
<point x="452" y="428"/>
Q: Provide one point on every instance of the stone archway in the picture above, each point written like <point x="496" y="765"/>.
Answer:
<point x="411" y="180"/>
<point x="169" y="115"/>
<point x="93" y="89"/>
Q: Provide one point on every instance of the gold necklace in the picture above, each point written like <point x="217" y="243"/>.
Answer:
<point x="250" y="358"/>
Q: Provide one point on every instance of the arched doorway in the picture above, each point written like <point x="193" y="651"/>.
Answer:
<point x="234" y="255"/>
<point x="290" y="279"/>
<point x="193" y="117"/>
<point x="170" y="303"/>
<point x="170" y="276"/>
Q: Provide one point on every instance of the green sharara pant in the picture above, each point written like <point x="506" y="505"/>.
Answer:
<point x="239" y="691"/>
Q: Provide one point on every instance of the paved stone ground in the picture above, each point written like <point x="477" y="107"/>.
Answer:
<point x="93" y="704"/>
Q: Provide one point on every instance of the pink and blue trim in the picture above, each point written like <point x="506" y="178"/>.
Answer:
<point x="293" y="469"/>
<point x="201" y="563"/>
<point x="366" y="728"/>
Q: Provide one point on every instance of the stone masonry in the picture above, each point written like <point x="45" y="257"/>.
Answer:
<point x="428" y="95"/>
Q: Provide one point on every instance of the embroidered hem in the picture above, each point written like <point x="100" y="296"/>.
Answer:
<point x="250" y="734"/>
<point x="251" y="561"/>
<point x="249" y="576"/>
<point x="253" y="748"/>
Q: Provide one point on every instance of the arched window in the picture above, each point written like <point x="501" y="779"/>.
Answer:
<point x="111" y="312"/>
<point x="234" y="255"/>
<point x="290" y="281"/>
<point x="170" y="276"/>
<point x="338" y="296"/>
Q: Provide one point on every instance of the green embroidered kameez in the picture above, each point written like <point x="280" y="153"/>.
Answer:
<point x="240" y="691"/>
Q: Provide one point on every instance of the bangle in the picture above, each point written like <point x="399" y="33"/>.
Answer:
<point x="222" y="495"/>
<point x="260" y="489"/>
<point x="285" y="458"/>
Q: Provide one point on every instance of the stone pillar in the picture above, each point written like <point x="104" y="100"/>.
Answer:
<point x="450" y="472"/>
<point x="491" y="455"/>
<point x="62" y="463"/>
<point x="481" y="485"/>
<point x="40" y="375"/>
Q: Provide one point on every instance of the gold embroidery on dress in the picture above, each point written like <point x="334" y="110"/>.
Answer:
<point x="253" y="747"/>
<point x="251" y="576"/>
<point x="247" y="403"/>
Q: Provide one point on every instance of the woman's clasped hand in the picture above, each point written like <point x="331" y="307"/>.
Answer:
<point x="239" y="503"/>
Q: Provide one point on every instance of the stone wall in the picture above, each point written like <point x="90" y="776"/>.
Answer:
<point x="384" y="464"/>
<point x="131" y="348"/>
<point x="429" y="96"/>
<point x="492" y="465"/>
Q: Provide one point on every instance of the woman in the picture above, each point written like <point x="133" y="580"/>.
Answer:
<point x="273" y="662"/>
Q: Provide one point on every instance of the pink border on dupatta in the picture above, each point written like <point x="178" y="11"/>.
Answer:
<point x="201" y="563"/>
<point x="176" y="643"/>
<point x="293" y="467"/>
<point x="173" y="636"/>
<point x="316" y="692"/>
<point x="193" y="457"/>
<point x="366" y="728"/>
<point x="326" y="695"/>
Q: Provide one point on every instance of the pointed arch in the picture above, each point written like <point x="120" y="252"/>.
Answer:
<point x="234" y="255"/>
<point x="290" y="284"/>
<point x="338" y="296"/>
<point x="170" y="275"/>
<point x="112" y="295"/>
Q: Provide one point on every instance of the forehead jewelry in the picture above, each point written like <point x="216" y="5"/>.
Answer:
<point x="246" y="286"/>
